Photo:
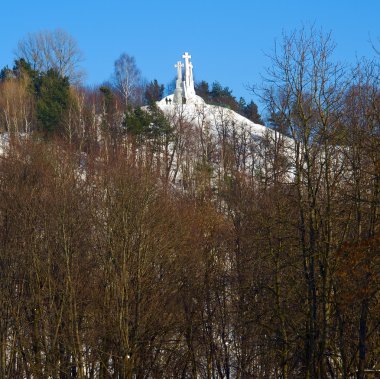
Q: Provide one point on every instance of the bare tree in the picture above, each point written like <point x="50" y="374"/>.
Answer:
<point x="127" y="77"/>
<point x="16" y="106"/>
<point x="306" y="88"/>
<point x="56" y="49"/>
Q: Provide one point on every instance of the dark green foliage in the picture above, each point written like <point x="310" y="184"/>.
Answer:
<point x="222" y="95"/>
<point x="110" y="115"/>
<point x="202" y="89"/>
<point x="153" y="92"/>
<point x="160" y="124"/>
<point x="52" y="92"/>
<point x="20" y="69"/>
<point x="6" y="73"/>
<point x="242" y="103"/>
<point x="109" y="98"/>
<point x="136" y="121"/>
<point x="147" y="124"/>
<point x="251" y="112"/>
<point x="219" y="95"/>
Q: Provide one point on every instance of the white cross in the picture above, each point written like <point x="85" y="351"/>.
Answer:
<point x="179" y="66"/>
<point x="186" y="57"/>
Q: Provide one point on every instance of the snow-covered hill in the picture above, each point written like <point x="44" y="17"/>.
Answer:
<point x="186" y="105"/>
<point x="198" y="112"/>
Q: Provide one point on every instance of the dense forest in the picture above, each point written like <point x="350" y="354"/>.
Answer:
<point x="136" y="245"/>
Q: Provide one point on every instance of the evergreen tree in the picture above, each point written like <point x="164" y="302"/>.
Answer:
<point x="109" y="98"/>
<point x="136" y="121"/>
<point x="6" y="73"/>
<point x="160" y="125"/>
<point x="202" y="90"/>
<point x="251" y="112"/>
<point x="20" y="68"/>
<point x="110" y="114"/>
<point x="53" y="94"/>
<point x="242" y="104"/>
<point x="147" y="124"/>
<point x="153" y="92"/>
<point x="219" y="95"/>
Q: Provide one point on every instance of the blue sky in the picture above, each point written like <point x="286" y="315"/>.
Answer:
<point x="228" y="40"/>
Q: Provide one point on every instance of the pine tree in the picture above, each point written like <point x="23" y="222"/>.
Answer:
<point x="5" y="73"/>
<point x="251" y="112"/>
<point x="20" y="68"/>
<point x="53" y="94"/>
<point x="202" y="90"/>
<point x="153" y="92"/>
<point x="147" y="124"/>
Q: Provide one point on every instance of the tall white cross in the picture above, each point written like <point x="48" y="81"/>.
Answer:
<point x="179" y="66"/>
<point x="186" y="57"/>
<point x="191" y="72"/>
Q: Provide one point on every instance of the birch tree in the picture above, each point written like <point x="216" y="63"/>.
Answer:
<point x="127" y="77"/>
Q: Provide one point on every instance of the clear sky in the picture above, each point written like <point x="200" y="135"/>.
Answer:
<point x="228" y="40"/>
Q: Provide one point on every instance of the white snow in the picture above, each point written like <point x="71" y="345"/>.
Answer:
<point x="216" y="116"/>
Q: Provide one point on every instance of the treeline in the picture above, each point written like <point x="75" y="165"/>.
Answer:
<point x="44" y="88"/>
<point x="141" y="245"/>
<point x="219" y="95"/>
